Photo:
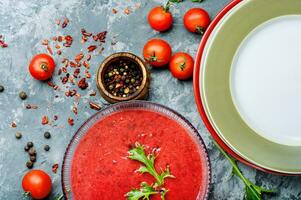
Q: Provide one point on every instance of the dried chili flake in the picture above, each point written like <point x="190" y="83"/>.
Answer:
<point x="65" y="22"/>
<point x="57" y="46"/>
<point x="114" y="11"/>
<point x="59" y="52"/>
<point x="65" y="80"/>
<point x="95" y="37"/>
<point x="71" y="93"/>
<point x="55" y="168"/>
<point x="88" y="57"/>
<point x="72" y="64"/>
<point x="85" y="33"/>
<point x="56" y="87"/>
<point x="86" y="64"/>
<point x="64" y="69"/>
<point x="14" y="124"/>
<point x="45" y="120"/>
<point x="91" y="48"/>
<point x="54" y="38"/>
<point x="87" y="74"/>
<point x="82" y="84"/>
<point x="127" y="11"/>
<point x="49" y="50"/>
<point x="92" y="94"/>
<point x="74" y="110"/>
<point x="102" y="36"/>
<point x="79" y="57"/>
<point x="31" y="106"/>
<point x="55" y="117"/>
<point x="58" y="22"/>
<point x="84" y="39"/>
<point x="70" y="121"/>
<point x="59" y="72"/>
<point x="94" y="106"/>
<point x="76" y="72"/>
<point x="71" y="80"/>
<point x="50" y="83"/>
<point x="45" y="42"/>
<point x="60" y="38"/>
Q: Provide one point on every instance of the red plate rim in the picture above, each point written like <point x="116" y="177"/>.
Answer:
<point x="197" y="94"/>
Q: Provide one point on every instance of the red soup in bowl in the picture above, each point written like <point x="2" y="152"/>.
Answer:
<point x="98" y="163"/>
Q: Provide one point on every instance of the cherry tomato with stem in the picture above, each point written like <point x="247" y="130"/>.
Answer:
<point x="196" y="20"/>
<point x="37" y="184"/>
<point x="181" y="66"/>
<point x="42" y="67"/>
<point x="157" y="52"/>
<point x="160" y="18"/>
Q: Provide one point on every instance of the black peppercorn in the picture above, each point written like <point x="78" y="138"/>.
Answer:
<point x="47" y="135"/>
<point x="22" y="95"/>
<point x="26" y="148"/>
<point x="18" y="135"/>
<point x="33" y="158"/>
<point x="1" y="88"/>
<point x="46" y="147"/>
<point x="29" y="164"/>
<point x="30" y="144"/>
<point x="32" y="151"/>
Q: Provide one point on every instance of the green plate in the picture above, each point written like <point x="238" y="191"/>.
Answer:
<point x="215" y="82"/>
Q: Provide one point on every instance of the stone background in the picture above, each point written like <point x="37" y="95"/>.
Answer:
<point x="24" y="23"/>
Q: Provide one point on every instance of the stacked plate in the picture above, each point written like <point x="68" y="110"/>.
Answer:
<point x="247" y="83"/>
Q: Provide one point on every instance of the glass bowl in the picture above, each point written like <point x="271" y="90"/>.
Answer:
<point x="135" y="105"/>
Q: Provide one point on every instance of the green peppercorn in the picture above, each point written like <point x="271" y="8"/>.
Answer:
<point x="18" y="135"/>
<point x="33" y="158"/>
<point x="47" y="135"/>
<point x="111" y="87"/>
<point x="30" y="144"/>
<point x="23" y="95"/>
<point x="1" y="88"/>
<point x="133" y="80"/>
<point x="32" y="151"/>
<point x="110" y="74"/>
<point x="127" y="80"/>
<point x="121" y="70"/>
<point x="123" y="78"/>
<point x="46" y="147"/>
<point x="29" y="164"/>
<point x="115" y="70"/>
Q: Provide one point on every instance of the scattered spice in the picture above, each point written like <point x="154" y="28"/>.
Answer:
<point x="70" y="121"/>
<point x="2" y="42"/>
<point x="55" y="168"/>
<point x="92" y="94"/>
<point x="47" y="135"/>
<point x="23" y="95"/>
<point x="46" y="147"/>
<point x="33" y="158"/>
<point x="45" y="42"/>
<point x="49" y="50"/>
<point x="85" y="33"/>
<point x="65" y="22"/>
<point x="122" y="78"/>
<point x="29" y="144"/>
<point x="127" y="11"/>
<point x="1" y="88"/>
<point x="91" y="48"/>
<point x="29" y="164"/>
<point x="78" y="57"/>
<point x="58" y="22"/>
<point x="114" y="11"/>
<point x="59" y="52"/>
<point x="74" y="109"/>
<point x="86" y="64"/>
<point x="31" y="106"/>
<point x="82" y="84"/>
<point x="55" y="117"/>
<point x="45" y="120"/>
<point x="32" y="151"/>
<point x="94" y="106"/>
<point x="14" y="125"/>
<point x="18" y="135"/>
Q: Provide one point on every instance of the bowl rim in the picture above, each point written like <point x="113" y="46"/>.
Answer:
<point x="130" y="56"/>
<point x="153" y="107"/>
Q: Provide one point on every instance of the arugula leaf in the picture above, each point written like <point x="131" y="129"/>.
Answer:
<point x="148" y="162"/>
<point x="144" y="192"/>
<point x="253" y="192"/>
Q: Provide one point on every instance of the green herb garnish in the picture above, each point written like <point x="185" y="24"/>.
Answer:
<point x="148" y="166"/>
<point x="253" y="192"/>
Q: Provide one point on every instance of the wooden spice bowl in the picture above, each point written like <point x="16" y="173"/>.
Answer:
<point x="141" y="93"/>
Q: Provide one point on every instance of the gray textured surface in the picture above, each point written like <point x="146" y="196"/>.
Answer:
<point x="25" y="23"/>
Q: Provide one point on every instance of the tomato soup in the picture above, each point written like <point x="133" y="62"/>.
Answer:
<point x="101" y="170"/>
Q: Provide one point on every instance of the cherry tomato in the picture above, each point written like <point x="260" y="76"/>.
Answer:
<point x="37" y="183"/>
<point x="196" y="20"/>
<point x="42" y="67"/>
<point x="160" y="19"/>
<point x="181" y="66"/>
<point x="157" y="52"/>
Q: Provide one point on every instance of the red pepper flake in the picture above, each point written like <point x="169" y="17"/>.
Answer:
<point x="88" y="57"/>
<point x="78" y="57"/>
<point x="54" y="38"/>
<point x="55" y="117"/>
<point x="55" y="168"/>
<point x="65" y="79"/>
<point x="59" y="72"/>
<point x="95" y="37"/>
<point x="45" y="120"/>
<point x="101" y="50"/>
<point x="50" y="83"/>
<point x="87" y="74"/>
<point x="56" y="87"/>
<point x="84" y="39"/>
<point x="59" y="52"/>
<point x="60" y="38"/>
<point x="127" y="11"/>
<point x="74" y="109"/>
<point x="45" y="42"/>
<point x="69" y="41"/>
<point x="65" y="22"/>
<point x="82" y="84"/>
<point x="58" y="22"/>
<point x="86" y="64"/>
<point x="14" y="124"/>
<point x="102" y="36"/>
<point x="70" y="121"/>
<point x="72" y="64"/>
<point x="64" y="69"/>
<point x="2" y="42"/>
<point x="71" y="93"/>
<point x="94" y="106"/>
<point x="85" y="33"/>
<point x="114" y="11"/>
<point x="31" y="106"/>
<point x="49" y="50"/>
<point x="57" y="46"/>
<point x="93" y="93"/>
<point x="91" y="48"/>
<point x="76" y="72"/>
